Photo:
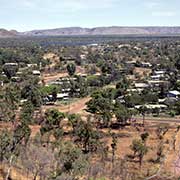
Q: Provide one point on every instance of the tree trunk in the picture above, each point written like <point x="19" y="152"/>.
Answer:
<point x="35" y="176"/>
<point x="9" y="168"/>
<point x="140" y="161"/>
<point x="143" y="120"/>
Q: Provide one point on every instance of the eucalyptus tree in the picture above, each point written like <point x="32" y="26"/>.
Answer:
<point x="52" y="123"/>
<point x="71" y="68"/>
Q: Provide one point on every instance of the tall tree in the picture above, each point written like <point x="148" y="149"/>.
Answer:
<point x="71" y="68"/>
<point x="52" y="122"/>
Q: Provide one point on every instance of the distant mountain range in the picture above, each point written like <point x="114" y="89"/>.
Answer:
<point x="114" y="30"/>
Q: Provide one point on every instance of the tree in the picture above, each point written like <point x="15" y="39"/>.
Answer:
<point x="70" y="161"/>
<point x="38" y="160"/>
<point x="71" y="68"/>
<point x="74" y="120"/>
<point x="123" y="85"/>
<point x="143" y="110"/>
<point x="5" y="141"/>
<point x="159" y="152"/>
<point x="27" y="113"/>
<point x="9" y="102"/>
<point x="87" y="136"/>
<point x="10" y="70"/>
<point x="32" y="93"/>
<point x="101" y="106"/>
<point x="161" y="130"/>
<point x="113" y="146"/>
<point x="140" y="149"/>
<point x="52" y="121"/>
<point x="144" y="137"/>
<point x="122" y="113"/>
<point x="19" y="138"/>
<point x="177" y="107"/>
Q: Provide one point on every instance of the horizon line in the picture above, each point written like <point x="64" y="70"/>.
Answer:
<point x="92" y="27"/>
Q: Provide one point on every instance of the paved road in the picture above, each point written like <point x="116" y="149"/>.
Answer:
<point x="161" y="119"/>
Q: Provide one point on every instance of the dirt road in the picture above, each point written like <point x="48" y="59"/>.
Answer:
<point x="75" y="107"/>
<point x="48" y="77"/>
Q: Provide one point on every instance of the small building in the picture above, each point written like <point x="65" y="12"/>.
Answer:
<point x="160" y="72"/>
<point x="32" y="65"/>
<point x="36" y="73"/>
<point x="158" y="83"/>
<point x="62" y="96"/>
<point x="173" y="94"/>
<point x="146" y="64"/>
<point x="48" y="100"/>
<point x="141" y="85"/>
<point x="11" y="64"/>
<point x="152" y="107"/>
<point x="66" y="90"/>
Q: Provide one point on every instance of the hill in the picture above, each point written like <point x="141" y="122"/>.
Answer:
<point x="114" y="30"/>
<point x="5" y="33"/>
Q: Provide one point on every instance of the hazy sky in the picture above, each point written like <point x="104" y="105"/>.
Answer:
<point x="25" y="15"/>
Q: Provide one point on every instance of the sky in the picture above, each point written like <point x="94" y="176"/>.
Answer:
<point x="24" y="15"/>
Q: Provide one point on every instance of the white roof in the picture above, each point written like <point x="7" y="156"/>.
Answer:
<point x="11" y="64"/>
<point x="36" y="72"/>
<point x="177" y="93"/>
<point x="67" y="89"/>
<point x="29" y="65"/>
<point x="141" y="85"/>
<point x="62" y="95"/>
<point x="159" y="72"/>
<point x="157" y="76"/>
<point x="152" y="106"/>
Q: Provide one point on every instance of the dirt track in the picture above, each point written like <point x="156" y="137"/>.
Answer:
<point x="48" y="77"/>
<point x="75" y="107"/>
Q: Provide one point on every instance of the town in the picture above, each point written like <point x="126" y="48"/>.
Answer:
<point x="102" y="110"/>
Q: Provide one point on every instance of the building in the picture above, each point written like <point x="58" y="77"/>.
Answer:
<point x="36" y="73"/>
<point x="141" y="85"/>
<point x="173" y="94"/>
<point x="62" y="96"/>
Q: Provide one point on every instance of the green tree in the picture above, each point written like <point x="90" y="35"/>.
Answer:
<point x="122" y="113"/>
<point x="87" y="137"/>
<point x="71" y="68"/>
<point x="71" y="161"/>
<point x="27" y="112"/>
<point x="32" y="93"/>
<point x="74" y="120"/>
<point x="142" y="110"/>
<point x="52" y="122"/>
<point x="140" y="149"/>
<point x="144" y="137"/>
<point x="101" y="106"/>
<point x="10" y="71"/>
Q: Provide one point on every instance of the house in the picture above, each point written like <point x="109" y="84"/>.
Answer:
<point x="138" y="90"/>
<point x="141" y="85"/>
<point x="32" y="65"/>
<point x="66" y="90"/>
<point x="160" y="72"/>
<point x="62" y="96"/>
<point x="133" y="62"/>
<point x="36" y="73"/>
<point x="146" y="64"/>
<point x="173" y="94"/>
<point x="15" y="78"/>
<point x="161" y="107"/>
<point x="158" y="83"/>
<point x="11" y="64"/>
<point x="156" y="77"/>
<point x="48" y="100"/>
